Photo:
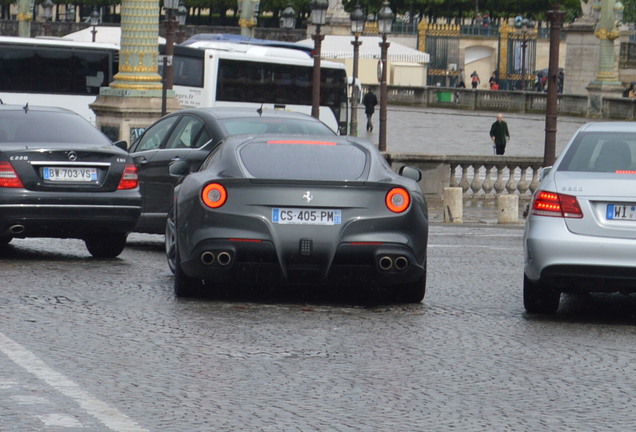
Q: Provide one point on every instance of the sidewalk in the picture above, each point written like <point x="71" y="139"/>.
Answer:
<point x="458" y="132"/>
<point x="476" y="212"/>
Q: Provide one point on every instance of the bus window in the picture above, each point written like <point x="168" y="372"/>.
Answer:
<point x="188" y="71"/>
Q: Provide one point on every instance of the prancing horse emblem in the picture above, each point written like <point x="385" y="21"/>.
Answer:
<point x="308" y="196"/>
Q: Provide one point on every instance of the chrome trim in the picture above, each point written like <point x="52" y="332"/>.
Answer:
<point x="71" y="164"/>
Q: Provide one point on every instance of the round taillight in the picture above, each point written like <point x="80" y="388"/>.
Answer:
<point x="214" y="195"/>
<point x="398" y="200"/>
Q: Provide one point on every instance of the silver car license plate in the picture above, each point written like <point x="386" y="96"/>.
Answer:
<point x="306" y="216"/>
<point x="63" y="174"/>
<point x="621" y="212"/>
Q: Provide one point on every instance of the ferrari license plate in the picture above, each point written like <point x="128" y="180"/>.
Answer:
<point x="621" y="212"/>
<point x="306" y="216"/>
<point x="63" y="174"/>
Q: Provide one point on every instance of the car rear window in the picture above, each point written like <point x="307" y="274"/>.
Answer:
<point x="303" y="160"/>
<point x="601" y="152"/>
<point x="269" y="125"/>
<point x="48" y="127"/>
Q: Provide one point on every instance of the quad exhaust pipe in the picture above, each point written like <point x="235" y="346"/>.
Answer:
<point x="207" y="258"/>
<point x="387" y="263"/>
<point x="222" y="258"/>
<point x="401" y="263"/>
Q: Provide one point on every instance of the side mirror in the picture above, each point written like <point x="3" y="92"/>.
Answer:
<point x="544" y="172"/>
<point x="122" y="144"/>
<point x="179" y="168"/>
<point x="411" y="173"/>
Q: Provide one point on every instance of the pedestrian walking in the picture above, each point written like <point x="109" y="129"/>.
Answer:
<point x="474" y="79"/>
<point x="499" y="134"/>
<point x="369" y="101"/>
<point x="461" y="82"/>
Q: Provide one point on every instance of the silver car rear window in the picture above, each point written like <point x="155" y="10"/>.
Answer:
<point x="303" y="160"/>
<point x="601" y="152"/>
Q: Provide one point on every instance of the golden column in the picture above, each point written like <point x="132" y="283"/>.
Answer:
<point x="134" y="99"/>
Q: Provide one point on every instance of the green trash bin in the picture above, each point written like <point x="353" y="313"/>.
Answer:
<point x="444" y="96"/>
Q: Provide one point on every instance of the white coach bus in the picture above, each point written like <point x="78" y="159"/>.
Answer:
<point x="55" y="72"/>
<point x="221" y="73"/>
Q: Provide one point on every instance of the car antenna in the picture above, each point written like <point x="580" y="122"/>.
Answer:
<point x="26" y="108"/>
<point x="260" y="110"/>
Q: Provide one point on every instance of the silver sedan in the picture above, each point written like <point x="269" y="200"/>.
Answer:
<point x="580" y="235"/>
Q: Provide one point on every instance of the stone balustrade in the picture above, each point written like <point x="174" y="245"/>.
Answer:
<point x="478" y="176"/>
<point x="507" y="101"/>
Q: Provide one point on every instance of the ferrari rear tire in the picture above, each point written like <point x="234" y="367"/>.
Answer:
<point x="413" y="292"/>
<point x="184" y="285"/>
<point x="171" y="241"/>
<point x="539" y="298"/>
<point x="106" y="245"/>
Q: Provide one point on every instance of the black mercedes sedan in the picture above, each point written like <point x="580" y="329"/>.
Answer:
<point x="61" y="177"/>
<point x="190" y="135"/>
<point x="290" y="210"/>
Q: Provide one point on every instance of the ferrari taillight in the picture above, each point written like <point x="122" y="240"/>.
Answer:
<point x="214" y="195"/>
<point x="397" y="200"/>
<point x="129" y="179"/>
<point x="8" y="177"/>
<point x="556" y="205"/>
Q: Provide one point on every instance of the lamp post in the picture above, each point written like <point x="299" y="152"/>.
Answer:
<point x="357" y="18"/>
<point x="318" y="18"/>
<point x="47" y="7"/>
<point x="170" y="7"/>
<point x="288" y="20"/>
<point x="609" y="14"/>
<point x="555" y="17"/>
<point x="385" y="21"/>
<point x="94" y="22"/>
<point x="182" y="14"/>
<point x="523" y="25"/>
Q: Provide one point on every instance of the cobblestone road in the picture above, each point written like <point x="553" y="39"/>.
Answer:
<point x="104" y="346"/>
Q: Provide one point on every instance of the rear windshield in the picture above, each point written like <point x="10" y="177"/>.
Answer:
<point x="601" y="152"/>
<point x="48" y="127"/>
<point x="292" y="160"/>
<point x="268" y="125"/>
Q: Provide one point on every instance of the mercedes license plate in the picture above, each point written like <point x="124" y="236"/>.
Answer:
<point x="621" y="212"/>
<point x="306" y="216"/>
<point x="63" y="174"/>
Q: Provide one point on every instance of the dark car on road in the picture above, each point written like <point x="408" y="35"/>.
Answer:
<point x="61" y="177"/>
<point x="190" y="135"/>
<point x="292" y="210"/>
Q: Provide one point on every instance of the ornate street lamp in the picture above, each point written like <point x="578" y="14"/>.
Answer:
<point x="609" y="14"/>
<point x="385" y="21"/>
<point x="170" y="7"/>
<point x="523" y="25"/>
<point x="318" y="18"/>
<point x="94" y="22"/>
<point x="47" y="7"/>
<point x="357" y="18"/>
<point x="182" y="14"/>
<point x="288" y="20"/>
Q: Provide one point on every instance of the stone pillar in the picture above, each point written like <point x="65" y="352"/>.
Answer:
<point x="580" y="54"/>
<point x="453" y="205"/>
<point x="508" y="209"/>
<point x="133" y="100"/>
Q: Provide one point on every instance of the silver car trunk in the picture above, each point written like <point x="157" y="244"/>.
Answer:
<point x="595" y="192"/>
